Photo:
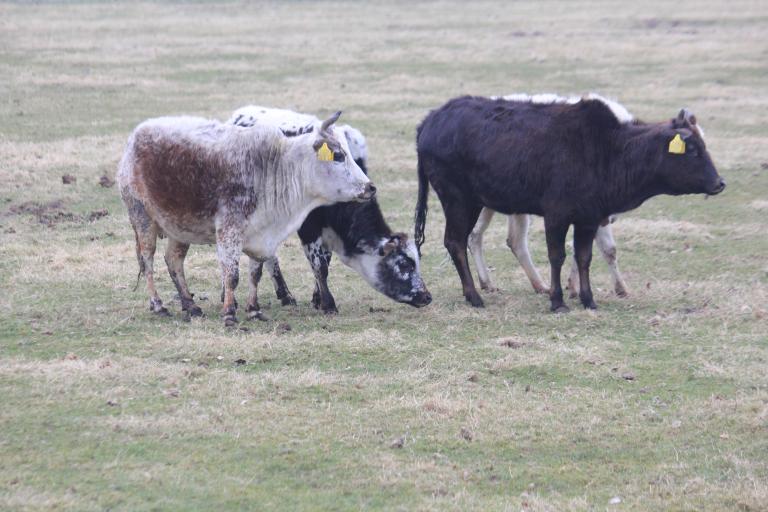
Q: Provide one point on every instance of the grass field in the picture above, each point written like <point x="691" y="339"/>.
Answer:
<point x="659" y="399"/>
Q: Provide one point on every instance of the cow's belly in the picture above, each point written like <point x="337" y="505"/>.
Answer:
<point x="189" y="230"/>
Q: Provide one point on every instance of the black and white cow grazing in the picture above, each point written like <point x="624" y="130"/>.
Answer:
<point x="356" y="232"/>
<point x="572" y="163"/>
<point x="197" y="181"/>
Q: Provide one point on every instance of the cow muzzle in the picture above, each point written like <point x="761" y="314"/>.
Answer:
<point x="422" y="298"/>
<point x="368" y="193"/>
<point x="719" y="187"/>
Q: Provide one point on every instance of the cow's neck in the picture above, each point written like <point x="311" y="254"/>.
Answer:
<point x="634" y="180"/>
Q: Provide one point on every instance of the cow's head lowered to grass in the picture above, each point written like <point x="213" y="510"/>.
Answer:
<point x="685" y="165"/>
<point x="336" y="176"/>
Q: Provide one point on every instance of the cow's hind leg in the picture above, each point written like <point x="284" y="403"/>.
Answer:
<point x="252" y="308"/>
<point x="174" y="259"/>
<point x="281" y="287"/>
<point x="146" y="232"/>
<point x="517" y="241"/>
<point x="607" y="246"/>
<point x="460" y="218"/>
<point x="583" y="236"/>
<point x="319" y="258"/>
<point x="476" y="248"/>
<point x="555" y="232"/>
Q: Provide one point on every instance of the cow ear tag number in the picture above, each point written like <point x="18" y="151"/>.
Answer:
<point x="677" y="145"/>
<point x="324" y="153"/>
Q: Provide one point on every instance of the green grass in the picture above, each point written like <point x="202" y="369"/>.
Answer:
<point x="383" y="406"/>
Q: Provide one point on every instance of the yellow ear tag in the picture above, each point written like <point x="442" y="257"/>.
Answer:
<point x="324" y="153"/>
<point x="677" y="145"/>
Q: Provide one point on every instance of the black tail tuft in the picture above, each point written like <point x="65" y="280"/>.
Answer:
<point x="421" y="207"/>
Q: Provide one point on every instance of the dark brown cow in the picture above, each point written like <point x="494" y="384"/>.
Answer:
<point x="572" y="163"/>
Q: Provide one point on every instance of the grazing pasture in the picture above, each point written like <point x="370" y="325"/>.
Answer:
<point x="658" y="401"/>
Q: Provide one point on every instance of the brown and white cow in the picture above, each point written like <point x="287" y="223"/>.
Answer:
<point x="197" y="181"/>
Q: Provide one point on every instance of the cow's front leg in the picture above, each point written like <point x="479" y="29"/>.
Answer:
<point x="252" y="308"/>
<point x="582" y="243"/>
<point x="555" y="234"/>
<point x="281" y="287"/>
<point x="319" y="258"/>
<point x="229" y="245"/>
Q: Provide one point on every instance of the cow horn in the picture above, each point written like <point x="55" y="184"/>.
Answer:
<point x="328" y="122"/>
<point x="686" y="115"/>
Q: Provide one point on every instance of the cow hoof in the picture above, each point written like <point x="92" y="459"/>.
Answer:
<point x="590" y="305"/>
<point x="562" y="308"/>
<point x="162" y="311"/>
<point x="230" y="321"/>
<point x="256" y="314"/>
<point x="288" y="301"/>
<point x="194" y="310"/>
<point x="541" y="289"/>
<point x="621" y="292"/>
<point x="488" y="287"/>
<point x="330" y="310"/>
<point x="476" y="301"/>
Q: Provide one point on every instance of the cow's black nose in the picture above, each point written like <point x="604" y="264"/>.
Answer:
<point x="422" y="299"/>
<point x="370" y="189"/>
<point x="719" y="187"/>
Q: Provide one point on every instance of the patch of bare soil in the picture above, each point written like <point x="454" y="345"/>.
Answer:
<point x="53" y="212"/>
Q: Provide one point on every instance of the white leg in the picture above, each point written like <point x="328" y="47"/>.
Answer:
<point x="517" y="241"/>
<point x="475" y="243"/>
<point x="573" y="278"/>
<point x="607" y="245"/>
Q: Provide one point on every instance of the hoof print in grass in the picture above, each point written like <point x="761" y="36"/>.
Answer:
<point x="68" y="179"/>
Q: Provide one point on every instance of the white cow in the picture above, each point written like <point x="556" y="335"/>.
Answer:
<point x="244" y="189"/>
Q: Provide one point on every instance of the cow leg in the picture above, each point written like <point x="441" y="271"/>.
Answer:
<point x="555" y="233"/>
<point x="252" y="308"/>
<point x="146" y="232"/>
<point x="459" y="221"/>
<point x="174" y="260"/>
<point x="573" y="278"/>
<point x="319" y="258"/>
<point x="517" y="241"/>
<point x="476" y="248"/>
<point x="229" y="245"/>
<point x="583" y="236"/>
<point x="607" y="246"/>
<point x="281" y="287"/>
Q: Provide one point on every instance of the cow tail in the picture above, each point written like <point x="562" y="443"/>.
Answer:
<point x="139" y="258"/>
<point x="421" y="206"/>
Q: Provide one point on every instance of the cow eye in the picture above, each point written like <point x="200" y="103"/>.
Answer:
<point x="338" y="156"/>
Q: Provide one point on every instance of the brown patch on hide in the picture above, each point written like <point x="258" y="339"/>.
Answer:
<point x="183" y="180"/>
